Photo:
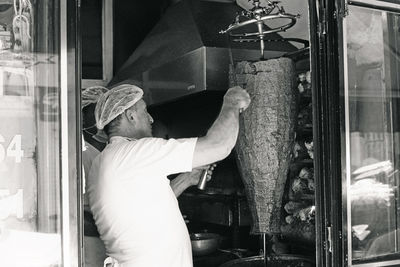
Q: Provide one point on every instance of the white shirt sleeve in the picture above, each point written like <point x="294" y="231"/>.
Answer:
<point x="163" y="156"/>
<point x="88" y="155"/>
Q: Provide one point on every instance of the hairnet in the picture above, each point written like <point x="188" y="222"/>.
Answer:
<point x="91" y="94"/>
<point x="114" y="102"/>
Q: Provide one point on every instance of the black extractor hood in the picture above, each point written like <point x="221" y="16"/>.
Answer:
<point x="184" y="53"/>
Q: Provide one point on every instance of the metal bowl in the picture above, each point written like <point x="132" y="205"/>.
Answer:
<point x="204" y="243"/>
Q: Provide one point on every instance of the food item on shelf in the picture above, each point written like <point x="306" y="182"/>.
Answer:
<point x="306" y="173"/>
<point x="306" y="214"/>
<point x="299" y="186"/>
<point x="300" y="151"/>
<point x="305" y="186"/>
<point x="311" y="185"/>
<point x="293" y="206"/>
<point x="296" y="149"/>
<point x="308" y="77"/>
<point x="300" y="87"/>
<point x="304" y="87"/>
<point x="301" y="77"/>
<point x="310" y="148"/>
<point x="266" y="138"/>
<point x="301" y="196"/>
<point x="304" y="83"/>
<point x="289" y="219"/>
<point x="304" y="118"/>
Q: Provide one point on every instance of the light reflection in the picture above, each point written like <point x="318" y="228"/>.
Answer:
<point x="30" y="249"/>
<point x="373" y="132"/>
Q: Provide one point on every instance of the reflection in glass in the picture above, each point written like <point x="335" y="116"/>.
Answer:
<point x="29" y="134"/>
<point x="372" y="131"/>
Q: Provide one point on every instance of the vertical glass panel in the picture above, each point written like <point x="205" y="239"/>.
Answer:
<point x="372" y="132"/>
<point x="29" y="134"/>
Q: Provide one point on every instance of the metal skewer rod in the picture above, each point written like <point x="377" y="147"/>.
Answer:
<point x="231" y="62"/>
<point x="265" y="249"/>
<point x="261" y="36"/>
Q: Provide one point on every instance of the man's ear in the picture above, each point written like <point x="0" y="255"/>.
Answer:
<point x="130" y="115"/>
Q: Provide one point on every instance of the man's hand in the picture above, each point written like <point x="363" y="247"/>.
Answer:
<point x="196" y="173"/>
<point x="237" y="97"/>
<point x="187" y="179"/>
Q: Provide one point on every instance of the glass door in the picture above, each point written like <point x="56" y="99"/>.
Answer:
<point x="371" y="133"/>
<point x="38" y="176"/>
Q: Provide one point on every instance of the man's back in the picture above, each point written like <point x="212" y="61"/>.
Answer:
<point x="135" y="210"/>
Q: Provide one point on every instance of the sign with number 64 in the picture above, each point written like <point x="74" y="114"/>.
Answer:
<point x="12" y="150"/>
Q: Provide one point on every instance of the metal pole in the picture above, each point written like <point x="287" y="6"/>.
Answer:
<point x="235" y="222"/>
<point x="265" y="249"/>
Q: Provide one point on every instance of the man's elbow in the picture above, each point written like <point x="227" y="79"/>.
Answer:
<point x="227" y="153"/>
<point x="224" y="149"/>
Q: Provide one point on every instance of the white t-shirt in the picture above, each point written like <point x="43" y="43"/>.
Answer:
<point x="89" y="153"/>
<point x="135" y="209"/>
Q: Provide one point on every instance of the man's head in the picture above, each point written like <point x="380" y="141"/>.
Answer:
<point x="122" y="111"/>
<point x="90" y="96"/>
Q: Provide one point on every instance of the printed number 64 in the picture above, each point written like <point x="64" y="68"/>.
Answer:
<point x="13" y="149"/>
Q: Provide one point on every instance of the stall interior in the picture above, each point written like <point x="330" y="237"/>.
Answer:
<point x="184" y="82"/>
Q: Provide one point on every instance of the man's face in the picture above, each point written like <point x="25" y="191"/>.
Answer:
<point x="88" y="119"/>
<point x="143" y="120"/>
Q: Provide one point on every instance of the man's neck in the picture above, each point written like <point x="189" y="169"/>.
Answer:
<point x="124" y="134"/>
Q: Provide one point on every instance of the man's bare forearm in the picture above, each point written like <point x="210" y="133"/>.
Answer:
<point x="220" y="138"/>
<point x="225" y="129"/>
<point x="222" y="135"/>
<point x="180" y="183"/>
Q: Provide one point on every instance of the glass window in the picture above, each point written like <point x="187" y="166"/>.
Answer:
<point x="92" y="45"/>
<point x="96" y="21"/>
<point x="372" y="131"/>
<point x="30" y="212"/>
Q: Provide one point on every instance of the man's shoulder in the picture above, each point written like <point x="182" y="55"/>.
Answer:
<point x="161" y="142"/>
<point x="143" y="146"/>
<point x="127" y="146"/>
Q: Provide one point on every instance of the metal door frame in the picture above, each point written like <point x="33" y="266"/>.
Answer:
<point x="70" y="121"/>
<point x="327" y="79"/>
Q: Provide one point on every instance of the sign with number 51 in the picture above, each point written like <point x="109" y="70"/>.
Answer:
<point x="12" y="150"/>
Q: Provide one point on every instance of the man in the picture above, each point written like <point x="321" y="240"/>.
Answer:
<point x="95" y="252"/>
<point x="91" y="147"/>
<point x="134" y="207"/>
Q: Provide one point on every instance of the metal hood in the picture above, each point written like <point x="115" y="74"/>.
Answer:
<point x="185" y="54"/>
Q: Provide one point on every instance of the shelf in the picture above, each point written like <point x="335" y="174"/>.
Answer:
<point x="302" y="197"/>
<point x="214" y="194"/>
<point x="304" y="134"/>
<point x="302" y="162"/>
<point x="303" y="101"/>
